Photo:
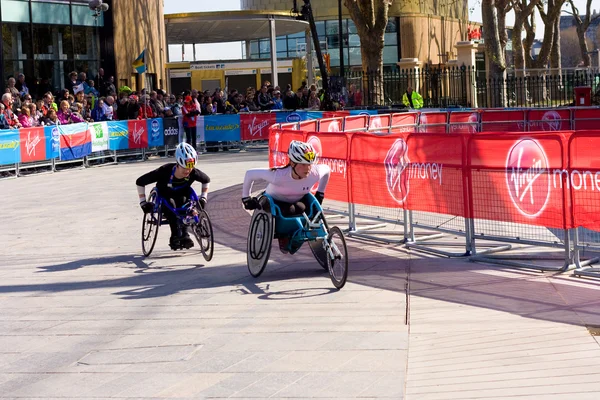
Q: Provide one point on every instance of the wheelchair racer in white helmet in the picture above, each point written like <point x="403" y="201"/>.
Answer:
<point x="173" y="182"/>
<point x="288" y="185"/>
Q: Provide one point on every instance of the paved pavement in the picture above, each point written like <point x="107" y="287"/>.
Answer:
<point x="84" y="315"/>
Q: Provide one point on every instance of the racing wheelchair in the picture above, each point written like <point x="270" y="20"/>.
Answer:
<point x="190" y="215"/>
<point x="327" y="244"/>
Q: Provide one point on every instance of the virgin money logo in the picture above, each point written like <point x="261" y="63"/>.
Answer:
<point x="32" y="143"/>
<point x="470" y="126"/>
<point x="256" y="128"/>
<point x="528" y="177"/>
<point x="315" y="142"/>
<point x="279" y="158"/>
<point x="375" y="123"/>
<point x="396" y="162"/>
<point x="551" y="121"/>
<point x="137" y="134"/>
<point x="334" y="126"/>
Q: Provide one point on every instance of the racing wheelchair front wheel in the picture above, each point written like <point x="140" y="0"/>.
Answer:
<point x="204" y="235"/>
<point x="337" y="257"/>
<point x="150" y="225"/>
<point x="260" y="237"/>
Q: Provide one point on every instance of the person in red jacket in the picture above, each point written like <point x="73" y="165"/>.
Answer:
<point x="190" y="116"/>
<point x="145" y="109"/>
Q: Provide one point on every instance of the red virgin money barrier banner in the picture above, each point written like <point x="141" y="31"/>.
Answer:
<point x="33" y="144"/>
<point x="378" y="175"/>
<point x="586" y="118"/>
<point x="582" y="179"/>
<point x="435" y="173"/>
<point x="256" y="126"/>
<point x="421" y="172"/>
<point x="433" y="122"/>
<point x="511" y="181"/>
<point x="463" y="122"/>
<point x="503" y="120"/>
<point x="279" y="142"/>
<point x="549" y="120"/>
<point x="332" y="150"/>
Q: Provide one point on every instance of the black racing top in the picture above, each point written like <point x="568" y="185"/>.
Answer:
<point x="165" y="175"/>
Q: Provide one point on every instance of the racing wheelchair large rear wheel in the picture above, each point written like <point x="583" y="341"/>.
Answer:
<point x="337" y="257"/>
<point x="150" y="225"/>
<point x="260" y="237"/>
<point x="204" y="235"/>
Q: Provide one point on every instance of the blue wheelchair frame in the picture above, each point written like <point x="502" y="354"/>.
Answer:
<point x="299" y="228"/>
<point x="180" y="212"/>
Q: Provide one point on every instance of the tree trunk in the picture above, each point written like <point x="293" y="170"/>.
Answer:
<point x="494" y="54"/>
<point x="555" y="55"/>
<point x="371" y="49"/>
<point x="370" y="18"/>
<point x="587" y="61"/>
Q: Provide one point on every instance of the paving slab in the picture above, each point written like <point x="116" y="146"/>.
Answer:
<point x="84" y="315"/>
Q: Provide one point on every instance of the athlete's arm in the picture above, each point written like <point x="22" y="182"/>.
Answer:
<point x="204" y="179"/>
<point x="324" y="173"/>
<point x="146" y="179"/>
<point x="257" y="174"/>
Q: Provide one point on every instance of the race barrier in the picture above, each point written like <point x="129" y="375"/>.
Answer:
<point x="539" y="187"/>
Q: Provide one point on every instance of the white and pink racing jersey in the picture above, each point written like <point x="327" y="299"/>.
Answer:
<point x="282" y="186"/>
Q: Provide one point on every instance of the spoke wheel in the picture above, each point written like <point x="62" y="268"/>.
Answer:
<point x="260" y="237"/>
<point x="150" y="225"/>
<point x="318" y="249"/>
<point x="337" y="257"/>
<point x="203" y="232"/>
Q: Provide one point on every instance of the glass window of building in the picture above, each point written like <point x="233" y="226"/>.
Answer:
<point x="61" y="36"/>
<point x="15" y="11"/>
<point x="50" y="13"/>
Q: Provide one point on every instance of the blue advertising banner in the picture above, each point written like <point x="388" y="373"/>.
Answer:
<point x="363" y="112"/>
<point x="156" y="135"/>
<point x="52" y="137"/>
<point x="291" y="116"/>
<point x="10" y="150"/>
<point x="118" y="135"/>
<point x="220" y="128"/>
<point x="314" y="114"/>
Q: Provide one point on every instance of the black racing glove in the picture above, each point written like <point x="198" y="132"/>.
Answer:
<point x="147" y="206"/>
<point x="320" y="196"/>
<point x="202" y="203"/>
<point x="250" y="203"/>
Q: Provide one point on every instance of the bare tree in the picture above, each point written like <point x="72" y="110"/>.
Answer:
<point x="582" y="25"/>
<point x="549" y="18"/>
<point x="524" y="10"/>
<point x="371" y="18"/>
<point x="493" y="14"/>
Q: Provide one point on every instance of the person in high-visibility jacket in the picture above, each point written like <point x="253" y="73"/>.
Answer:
<point x="412" y="99"/>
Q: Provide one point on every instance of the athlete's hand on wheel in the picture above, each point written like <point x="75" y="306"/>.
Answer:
<point x="250" y="203"/>
<point x="320" y="196"/>
<point x="147" y="206"/>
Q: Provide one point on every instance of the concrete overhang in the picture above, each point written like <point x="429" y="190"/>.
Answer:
<point x="229" y="26"/>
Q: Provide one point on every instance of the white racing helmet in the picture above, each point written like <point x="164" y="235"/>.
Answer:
<point x="302" y="153"/>
<point x="185" y="155"/>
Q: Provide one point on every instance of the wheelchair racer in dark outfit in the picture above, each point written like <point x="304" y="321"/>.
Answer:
<point x="173" y="182"/>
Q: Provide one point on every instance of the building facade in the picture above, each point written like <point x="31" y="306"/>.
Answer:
<point x="47" y="39"/>
<point x="426" y="30"/>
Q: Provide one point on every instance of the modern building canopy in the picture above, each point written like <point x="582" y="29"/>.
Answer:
<point x="229" y="26"/>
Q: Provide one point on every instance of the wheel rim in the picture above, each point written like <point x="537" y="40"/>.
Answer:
<point x="204" y="235"/>
<point x="260" y="237"/>
<point x="338" y="266"/>
<point x="150" y="225"/>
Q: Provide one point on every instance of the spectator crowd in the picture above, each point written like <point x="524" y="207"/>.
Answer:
<point x="94" y="100"/>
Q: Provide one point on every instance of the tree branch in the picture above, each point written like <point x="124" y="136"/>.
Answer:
<point x="381" y="15"/>
<point x="366" y="7"/>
